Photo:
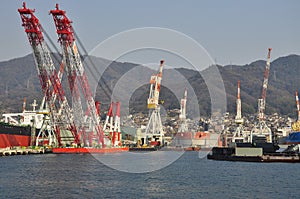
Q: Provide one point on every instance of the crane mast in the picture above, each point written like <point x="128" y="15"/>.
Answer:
<point x="66" y="36"/>
<point x="238" y="135"/>
<point x="68" y="61"/>
<point x="182" y="116"/>
<point x="298" y="106"/>
<point x="49" y="77"/>
<point x="154" y="129"/>
<point x="109" y="118"/>
<point x="296" y="125"/>
<point x="262" y="101"/>
<point x="155" y="82"/>
<point x="111" y="125"/>
<point x="261" y="130"/>
<point x="238" y="117"/>
<point x="117" y="127"/>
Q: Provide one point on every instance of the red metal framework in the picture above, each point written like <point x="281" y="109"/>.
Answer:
<point x="298" y="105"/>
<point x="112" y="125"/>
<point x="61" y="115"/>
<point x="238" y="117"/>
<point x="262" y="101"/>
<point x="66" y="37"/>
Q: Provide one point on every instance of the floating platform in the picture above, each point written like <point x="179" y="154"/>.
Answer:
<point x="264" y="158"/>
<point x="251" y="155"/>
<point x="88" y="150"/>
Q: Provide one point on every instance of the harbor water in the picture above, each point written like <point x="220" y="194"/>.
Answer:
<point x="82" y="176"/>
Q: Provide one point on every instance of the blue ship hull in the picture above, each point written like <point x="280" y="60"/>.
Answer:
<point x="293" y="138"/>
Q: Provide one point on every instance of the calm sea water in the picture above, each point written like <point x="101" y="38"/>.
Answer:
<point x="82" y="176"/>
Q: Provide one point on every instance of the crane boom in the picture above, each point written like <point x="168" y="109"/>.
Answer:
<point x="298" y="105"/>
<point x="238" y="117"/>
<point x="155" y="82"/>
<point x="66" y="37"/>
<point x="262" y="101"/>
<point x="154" y="129"/>
<point x="182" y="116"/>
<point x="49" y="77"/>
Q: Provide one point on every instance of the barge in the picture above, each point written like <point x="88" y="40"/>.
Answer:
<point x="252" y="153"/>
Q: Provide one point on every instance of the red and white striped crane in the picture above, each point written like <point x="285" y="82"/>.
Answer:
<point x="113" y="126"/>
<point x="154" y="129"/>
<point x="66" y="36"/>
<point x="296" y="125"/>
<point x="262" y="101"/>
<point x="239" y="135"/>
<point x="261" y="129"/>
<point x="238" y="117"/>
<point x="61" y="114"/>
<point x="298" y="106"/>
<point x="117" y="129"/>
<point x="183" y="127"/>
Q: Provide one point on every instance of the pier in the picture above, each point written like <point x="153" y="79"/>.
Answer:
<point x="21" y="151"/>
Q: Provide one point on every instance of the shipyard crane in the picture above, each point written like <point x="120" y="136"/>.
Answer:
<point x="154" y="130"/>
<point x="182" y="116"/>
<point x="117" y="127"/>
<point x="183" y="137"/>
<point x="262" y="101"/>
<point x="238" y="135"/>
<point x="261" y="129"/>
<point x="298" y="106"/>
<point x="72" y="58"/>
<point x="61" y="114"/>
<point x="68" y="61"/>
<point x="296" y="125"/>
<point x="108" y="124"/>
<point x="112" y="125"/>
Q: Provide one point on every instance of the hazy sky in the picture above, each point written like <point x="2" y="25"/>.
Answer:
<point x="231" y="31"/>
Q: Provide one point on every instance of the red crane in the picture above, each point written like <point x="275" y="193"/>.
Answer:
<point x="262" y="101"/>
<point x="61" y="115"/>
<point x="261" y="129"/>
<point x="66" y="37"/>
<point x="298" y="106"/>
<point x="113" y="125"/>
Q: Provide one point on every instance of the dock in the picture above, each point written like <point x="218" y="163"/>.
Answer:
<point x="21" y="151"/>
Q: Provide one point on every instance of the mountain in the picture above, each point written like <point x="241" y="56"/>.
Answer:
<point x="129" y="83"/>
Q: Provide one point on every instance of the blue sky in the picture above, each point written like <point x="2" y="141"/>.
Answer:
<point x="232" y="31"/>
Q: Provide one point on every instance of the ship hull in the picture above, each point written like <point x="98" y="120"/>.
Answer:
<point x="88" y="150"/>
<point x="293" y="138"/>
<point x="11" y="136"/>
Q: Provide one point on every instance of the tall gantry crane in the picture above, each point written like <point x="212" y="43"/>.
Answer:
<point x="68" y="61"/>
<point x="262" y="129"/>
<point x="154" y="129"/>
<point x="262" y="101"/>
<point x="72" y="58"/>
<point x="298" y="106"/>
<point x="182" y="116"/>
<point x="296" y="125"/>
<point x="61" y="114"/>
<point x="238" y="135"/>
